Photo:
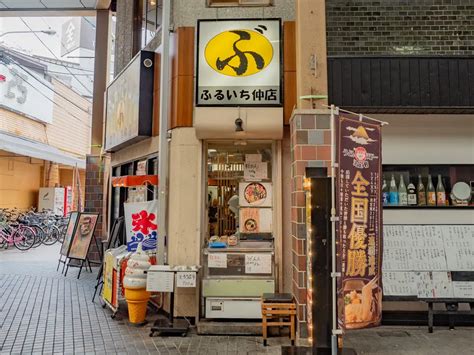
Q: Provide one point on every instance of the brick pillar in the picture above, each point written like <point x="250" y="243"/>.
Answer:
<point x="94" y="199"/>
<point x="310" y="147"/>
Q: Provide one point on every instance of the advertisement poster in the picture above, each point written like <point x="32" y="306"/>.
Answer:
<point x="255" y="194"/>
<point x="141" y="224"/>
<point x="83" y="235"/>
<point x="255" y="220"/>
<point x="107" y="290"/>
<point x="360" y="223"/>
<point x="69" y="233"/>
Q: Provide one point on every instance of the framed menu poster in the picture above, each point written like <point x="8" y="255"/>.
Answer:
<point x="255" y="194"/>
<point x="255" y="220"/>
<point x="83" y="235"/>
<point x="71" y="226"/>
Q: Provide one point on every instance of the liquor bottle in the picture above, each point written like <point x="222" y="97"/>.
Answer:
<point x="421" y="192"/>
<point x="440" y="193"/>
<point x="402" y="192"/>
<point x="411" y="194"/>
<point x="385" y="194"/>
<point x="393" y="192"/>
<point x="431" y="192"/>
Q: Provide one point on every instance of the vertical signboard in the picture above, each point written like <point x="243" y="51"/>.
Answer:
<point x="129" y="112"/>
<point x="18" y="93"/>
<point x="239" y="63"/>
<point x="359" y="253"/>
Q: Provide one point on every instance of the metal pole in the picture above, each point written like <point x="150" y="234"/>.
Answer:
<point x="361" y="116"/>
<point x="163" y="153"/>
<point x="48" y="32"/>
<point x="333" y="233"/>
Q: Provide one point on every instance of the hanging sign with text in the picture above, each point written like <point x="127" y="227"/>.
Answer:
<point x="239" y="63"/>
<point x="359" y="256"/>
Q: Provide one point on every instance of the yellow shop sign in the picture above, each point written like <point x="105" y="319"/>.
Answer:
<point x="239" y="63"/>
<point x="239" y="52"/>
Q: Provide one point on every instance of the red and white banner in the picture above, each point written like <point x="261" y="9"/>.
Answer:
<point x="141" y="224"/>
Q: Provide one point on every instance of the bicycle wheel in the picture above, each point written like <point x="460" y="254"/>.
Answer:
<point x="51" y="235"/>
<point x="3" y="242"/>
<point x="39" y="233"/>
<point x="24" y="238"/>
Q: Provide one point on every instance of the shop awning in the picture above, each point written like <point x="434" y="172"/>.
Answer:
<point x="38" y="150"/>
<point x="134" y="180"/>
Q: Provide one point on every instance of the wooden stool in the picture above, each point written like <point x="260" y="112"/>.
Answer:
<point x="275" y="307"/>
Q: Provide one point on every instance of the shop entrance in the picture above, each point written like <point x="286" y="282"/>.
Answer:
<point x="240" y="233"/>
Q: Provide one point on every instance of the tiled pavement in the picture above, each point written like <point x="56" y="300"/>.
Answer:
<point x="43" y="312"/>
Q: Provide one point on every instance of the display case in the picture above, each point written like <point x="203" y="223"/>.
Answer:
<point x="451" y="186"/>
<point x="427" y="246"/>
<point x="239" y="249"/>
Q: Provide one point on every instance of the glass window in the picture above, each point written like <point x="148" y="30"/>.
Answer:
<point x="232" y="171"/>
<point x="116" y="192"/>
<point x="226" y="3"/>
<point x="150" y="20"/>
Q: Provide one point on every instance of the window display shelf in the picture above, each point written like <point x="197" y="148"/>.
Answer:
<point x="428" y="207"/>
<point x="419" y="184"/>
<point x="238" y="250"/>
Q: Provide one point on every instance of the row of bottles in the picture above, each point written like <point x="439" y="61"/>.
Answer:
<point x="419" y="196"/>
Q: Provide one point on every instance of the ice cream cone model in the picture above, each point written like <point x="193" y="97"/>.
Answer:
<point x="134" y="284"/>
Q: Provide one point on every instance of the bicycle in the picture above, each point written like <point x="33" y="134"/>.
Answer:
<point x="21" y="236"/>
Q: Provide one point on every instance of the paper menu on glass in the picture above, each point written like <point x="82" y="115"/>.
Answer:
<point x="399" y="283"/>
<point x="463" y="289"/>
<point x="442" y="284"/>
<point x="160" y="281"/>
<point x="185" y="279"/>
<point x="255" y="171"/>
<point x="459" y="246"/>
<point x="424" y="285"/>
<point x="258" y="263"/>
<point x="253" y="158"/>
<point x="414" y="248"/>
<point x="217" y="260"/>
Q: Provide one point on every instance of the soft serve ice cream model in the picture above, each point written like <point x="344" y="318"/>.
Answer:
<point x="134" y="283"/>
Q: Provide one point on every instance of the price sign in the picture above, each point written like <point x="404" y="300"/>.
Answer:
<point x="185" y="279"/>
<point x="255" y="171"/>
<point x="217" y="260"/>
<point x="253" y="158"/>
<point x="258" y="263"/>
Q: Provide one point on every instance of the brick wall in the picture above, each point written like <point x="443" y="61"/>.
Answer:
<point x="310" y="147"/>
<point x="358" y="27"/>
<point x="94" y="198"/>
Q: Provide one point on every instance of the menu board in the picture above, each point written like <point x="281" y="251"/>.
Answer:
<point x="399" y="283"/>
<point x="459" y="246"/>
<point x="418" y="260"/>
<point x="160" y="281"/>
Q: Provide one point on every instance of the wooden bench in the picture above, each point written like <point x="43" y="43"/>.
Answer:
<point x="451" y="308"/>
<point x="278" y="310"/>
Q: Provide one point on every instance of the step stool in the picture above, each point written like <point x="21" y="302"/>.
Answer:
<point x="278" y="310"/>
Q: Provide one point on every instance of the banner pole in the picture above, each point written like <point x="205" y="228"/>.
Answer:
<point x="334" y="345"/>
<point x="163" y="151"/>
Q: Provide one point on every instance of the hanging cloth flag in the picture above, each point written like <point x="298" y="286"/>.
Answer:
<point x="141" y="224"/>
<point x="359" y="252"/>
